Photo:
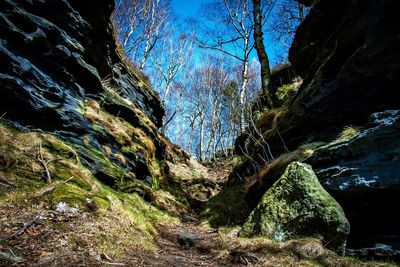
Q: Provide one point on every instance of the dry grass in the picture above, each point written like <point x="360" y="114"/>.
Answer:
<point x="121" y="159"/>
<point x="278" y="165"/>
<point x="271" y="118"/>
<point x="348" y="132"/>
<point x="117" y="225"/>
<point x="125" y="133"/>
<point x="300" y="252"/>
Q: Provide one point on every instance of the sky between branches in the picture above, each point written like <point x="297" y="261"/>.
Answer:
<point x="187" y="9"/>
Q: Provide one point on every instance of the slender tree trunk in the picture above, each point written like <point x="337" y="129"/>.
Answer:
<point x="242" y="94"/>
<point x="268" y="88"/>
<point x="301" y="11"/>
<point x="201" y="139"/>
<point x="168" y="81"/>
<point x="146" y="52"/>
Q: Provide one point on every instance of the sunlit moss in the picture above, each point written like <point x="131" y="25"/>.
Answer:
<point x="129" y="219"/>
<point x="227" y="208"/>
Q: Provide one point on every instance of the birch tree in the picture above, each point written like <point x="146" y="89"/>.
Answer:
<point x="140" y="25"/>
<point x="171" y="58"/>
<point x="232" y="35"/>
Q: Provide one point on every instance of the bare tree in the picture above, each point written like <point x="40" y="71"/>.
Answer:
<point x="141" y="24"/>
<point x="287" y="16"/>
<point x="171" y="58"/>
<point x="268" y="88"/>
<point x="128" y="16"/>
<point x="233" y="28"/>
<point x="155" y="23"/>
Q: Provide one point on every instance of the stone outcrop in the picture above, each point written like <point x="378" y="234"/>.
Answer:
<point x="362" y="173"/>
<point x="347" y="54"/>
<point x="297" y="205"/>
<point x="61" y="73"/>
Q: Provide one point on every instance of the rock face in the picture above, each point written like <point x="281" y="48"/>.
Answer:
<point x="297" y="205"/>
<point x="347" y="54"/>
<point x="363" y="174"/>
<point x="60" y="73"/>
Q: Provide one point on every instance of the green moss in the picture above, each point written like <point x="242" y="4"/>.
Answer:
<point x="227" y="208"/>
<point x="297" y="205"/>
<point x="65" y="172"/>
<point x="284" y="89"/>
<point x="135" y="186"/>
<point x="101" y="163"/>
<point x="59" y="148"/>
<point x="134" y="212"/>
<point x="173" y="186"/>
<point x="98" y="128"/>
<point x="71" y="194"/>
<point x="101" y="202"/>
<point x="236" y="161"/>
<point x="76" y="196"/>
<point x="156" y="173"/>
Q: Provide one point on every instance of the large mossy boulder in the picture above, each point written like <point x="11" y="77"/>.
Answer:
<point x="298" y="206"/>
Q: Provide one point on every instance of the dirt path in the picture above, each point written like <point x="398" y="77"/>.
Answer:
<point x="191" y="243"/>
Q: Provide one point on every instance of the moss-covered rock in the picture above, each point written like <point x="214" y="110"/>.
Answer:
<point x="297" y="205"/>
<point x="227" y="208"/>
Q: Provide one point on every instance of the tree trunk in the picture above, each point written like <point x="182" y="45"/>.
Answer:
<point x="268" y="88"/>
<point x="242" y="95"/>
<point x="201" y="139"/>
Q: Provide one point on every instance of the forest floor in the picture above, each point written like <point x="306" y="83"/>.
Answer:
<point x="32" y="234"/>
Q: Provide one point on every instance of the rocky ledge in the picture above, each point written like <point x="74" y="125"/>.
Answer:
<point x="62" y="73"/>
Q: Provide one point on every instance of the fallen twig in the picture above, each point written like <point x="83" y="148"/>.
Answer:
<point x="6" y="183"/>
<point x="11" y="257"/>
<point x="24" y="228"/>
<point x="45" y="163"/>
<point x="3" y="115"/>
<point x="113" y="263"/>
<point x="50" y="189"/>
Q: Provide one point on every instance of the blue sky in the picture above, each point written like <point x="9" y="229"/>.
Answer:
<point x="186" y="8"/>
<point x="189" y="8"/>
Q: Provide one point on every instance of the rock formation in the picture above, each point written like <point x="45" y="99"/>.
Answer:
<point x="61" y="73"/>
<point x="362" y="173"/>
<point x="297" y="205"/>
<point x="347" y="54"/>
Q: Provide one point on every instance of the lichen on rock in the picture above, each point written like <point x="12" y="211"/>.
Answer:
<point x="297" y="205"/>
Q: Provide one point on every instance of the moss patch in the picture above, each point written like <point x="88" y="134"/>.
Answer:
<point x="297" y="205"/>
<point x="126" y="218"/>
<point x="69" y="193"/>
<point x="227" y="208"/>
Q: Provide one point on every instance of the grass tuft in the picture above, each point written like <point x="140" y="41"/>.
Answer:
<point x="348" y="132"/>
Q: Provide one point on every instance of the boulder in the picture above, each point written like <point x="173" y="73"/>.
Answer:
<point x="297" y="205"/>
<point x="188" y="239"/>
